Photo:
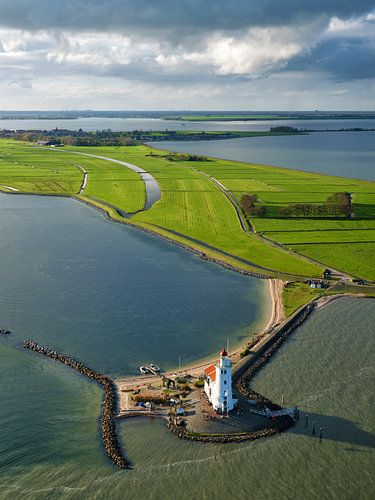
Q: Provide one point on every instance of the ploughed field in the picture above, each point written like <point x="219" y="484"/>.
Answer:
<point x="193" y="209"/>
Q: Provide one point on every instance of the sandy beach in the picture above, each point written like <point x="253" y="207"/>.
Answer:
<point x="196" y="369"/>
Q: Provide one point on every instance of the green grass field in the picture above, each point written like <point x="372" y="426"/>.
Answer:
<point x="346" y="244"/>
<point x="193" y="205"/>
<point x="297" y="294"/>
<point x="48" y="171"/>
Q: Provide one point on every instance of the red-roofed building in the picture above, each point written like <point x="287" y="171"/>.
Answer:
<point x="218" y="384"/>
<point x="210" y="372"/>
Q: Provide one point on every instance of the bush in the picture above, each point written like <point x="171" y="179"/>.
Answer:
<point x="150" y="399"/>
<point x="199" y="383"/>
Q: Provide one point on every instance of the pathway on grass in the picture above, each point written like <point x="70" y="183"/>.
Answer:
<point x="10" y="188"/>
<point x="84" y="181"/>
<point x="153" y="193"/>
<point x="248" y="228"/>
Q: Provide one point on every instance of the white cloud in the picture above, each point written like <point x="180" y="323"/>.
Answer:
<point x="88" y="66"/>
<point x="259" y="51"/>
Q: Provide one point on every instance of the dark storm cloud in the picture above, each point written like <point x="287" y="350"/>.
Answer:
<point x="174" y="17"/>
<point x="186" y="49"/>
<point x="344" y="60"/>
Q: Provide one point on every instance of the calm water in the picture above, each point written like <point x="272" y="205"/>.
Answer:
<point x="326" y="367"/>
<point x="113" y="296"/>
<point x="347" y="154"/>
<point x="121" y="124"/>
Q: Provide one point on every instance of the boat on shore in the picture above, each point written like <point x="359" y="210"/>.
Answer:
<point x="153" y="368"/>
<point x="144" y="370"/>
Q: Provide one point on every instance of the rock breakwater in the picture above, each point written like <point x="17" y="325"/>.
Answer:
<point x="109" y="409"/>
<point x="242" y="383"/>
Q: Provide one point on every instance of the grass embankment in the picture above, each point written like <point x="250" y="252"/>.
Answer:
<point x="193" y="206"/>
<point x="296" y="294"/>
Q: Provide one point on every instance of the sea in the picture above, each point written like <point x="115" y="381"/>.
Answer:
<point x="116" y="298"/>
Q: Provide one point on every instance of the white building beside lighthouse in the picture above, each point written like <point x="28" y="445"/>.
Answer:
<point x="218" y="384"/>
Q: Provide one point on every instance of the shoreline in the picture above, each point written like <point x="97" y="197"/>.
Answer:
<point x="275" y="327"/>
<point x="167" y="235"/>
<point x="151" y="145"/>
<point x="194" y="368"/>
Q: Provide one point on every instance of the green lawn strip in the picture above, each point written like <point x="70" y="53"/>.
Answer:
<point x="209" y="217"/>
<point x="46" y="170"/>
<point x="340" y="288"/>
<point x="30" y="169"/>
<point x="296" y="294"/>
<point x="333" y="236"/>
<point x="114" y="183"/>
<point x="209" y="253"/>
<point x="355" y="258"/>
<point x="292" y="224"/>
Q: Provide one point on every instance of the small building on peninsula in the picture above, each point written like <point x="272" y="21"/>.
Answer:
<point x="218" y="384"/>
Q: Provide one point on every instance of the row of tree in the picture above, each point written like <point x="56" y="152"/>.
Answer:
<point x="248" y="205"/>
<point x="108" y="137"/>
<point x="336" y="205"/>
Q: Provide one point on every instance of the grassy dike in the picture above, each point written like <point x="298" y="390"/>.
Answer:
<point x="195" y="213"/>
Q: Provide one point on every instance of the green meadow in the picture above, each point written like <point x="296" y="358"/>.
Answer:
<point x="193" y="210"/>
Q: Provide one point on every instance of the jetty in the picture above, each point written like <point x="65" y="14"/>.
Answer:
<point x="109" y="409"/>
<point x="266" y="412"/>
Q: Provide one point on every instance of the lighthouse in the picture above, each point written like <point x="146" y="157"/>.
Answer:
<point x="218" y="384"/>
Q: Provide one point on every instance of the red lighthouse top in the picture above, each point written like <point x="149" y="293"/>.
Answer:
<point x="224" y="352"/>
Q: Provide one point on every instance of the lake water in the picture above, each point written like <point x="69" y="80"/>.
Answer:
<point x="347" y="154"/>
<point x="50" y="448"/>
<point x="111" y="295"/>
<point x="122" y="124"/>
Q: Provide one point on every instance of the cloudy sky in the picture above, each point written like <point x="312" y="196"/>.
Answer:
<point x="187" y="54"/>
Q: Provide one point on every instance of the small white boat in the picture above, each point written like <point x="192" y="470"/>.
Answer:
<point x="154" y="368"/>
<point x="144" y="370"/>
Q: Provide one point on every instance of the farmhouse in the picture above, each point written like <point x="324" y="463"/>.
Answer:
<point x="218" y="384"/>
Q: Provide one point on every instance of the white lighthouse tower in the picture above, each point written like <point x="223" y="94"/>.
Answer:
<point x="218" y="384"/>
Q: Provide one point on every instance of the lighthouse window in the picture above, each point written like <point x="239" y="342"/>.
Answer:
<point x="225" y="381"/>
<point x="225" y="372"/>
